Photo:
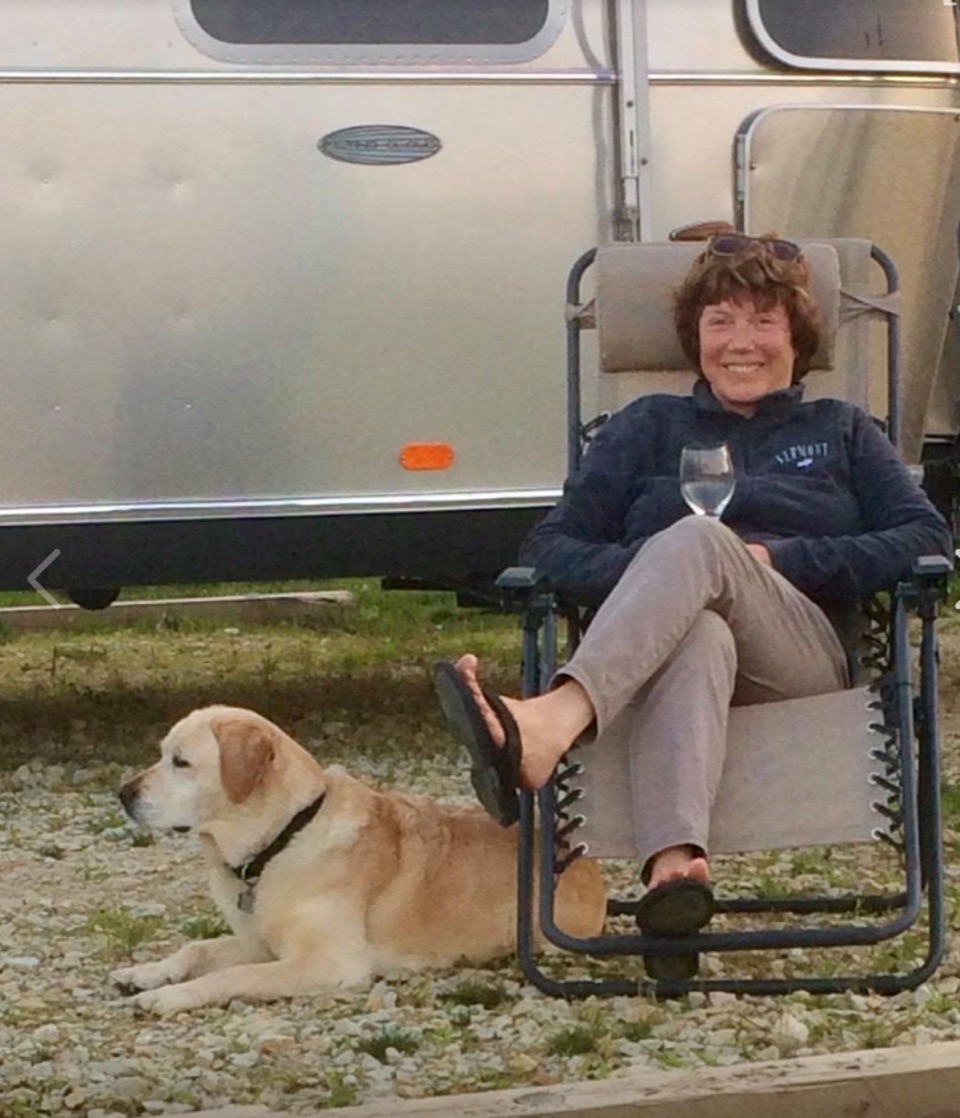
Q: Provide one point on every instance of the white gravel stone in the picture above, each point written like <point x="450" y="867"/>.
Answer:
<point x="72" y="1045"/>
<point x="790" y="1034"/>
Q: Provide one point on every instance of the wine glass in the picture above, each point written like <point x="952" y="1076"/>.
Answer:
<point x="707" y="480"/>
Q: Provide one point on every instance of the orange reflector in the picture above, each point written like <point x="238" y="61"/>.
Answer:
<point x="426" y="456"/>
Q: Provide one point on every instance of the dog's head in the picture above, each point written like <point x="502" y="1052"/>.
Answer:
<point x="213" y="763"/>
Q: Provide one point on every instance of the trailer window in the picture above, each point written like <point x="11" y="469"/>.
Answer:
<point x="309" y="22"/>
<point x="912" y="35"/>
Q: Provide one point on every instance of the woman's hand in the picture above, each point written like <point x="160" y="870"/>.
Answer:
<point x="760" y="553"/>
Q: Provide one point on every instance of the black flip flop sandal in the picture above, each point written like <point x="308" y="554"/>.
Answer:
<point x="494" y="769"/>
<point x="675" y="908"/>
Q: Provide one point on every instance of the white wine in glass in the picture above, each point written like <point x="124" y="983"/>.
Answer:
<point x="707" y="480"/>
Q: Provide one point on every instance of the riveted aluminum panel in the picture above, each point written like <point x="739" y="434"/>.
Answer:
<point x="687" y="35"/>
<point x="207" y="315"/>
<point x="205" y="308"/>
<point x="889" y="174"/>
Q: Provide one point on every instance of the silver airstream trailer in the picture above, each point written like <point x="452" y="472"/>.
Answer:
<point x="282" y="280"/>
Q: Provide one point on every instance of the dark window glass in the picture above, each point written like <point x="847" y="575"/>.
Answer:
<point x="885" y="30"/>
<point x="370" y="21"/>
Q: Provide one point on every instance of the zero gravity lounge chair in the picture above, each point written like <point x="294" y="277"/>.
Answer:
<point x="857" y="766"/>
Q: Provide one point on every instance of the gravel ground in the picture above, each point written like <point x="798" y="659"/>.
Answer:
<point x="81" y="893"/>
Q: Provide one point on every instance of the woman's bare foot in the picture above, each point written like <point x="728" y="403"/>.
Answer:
<point x="678" y="862"/>
<point x="548" y="724"/>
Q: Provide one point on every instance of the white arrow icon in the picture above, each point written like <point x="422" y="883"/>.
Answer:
<point x="34" y="575"/>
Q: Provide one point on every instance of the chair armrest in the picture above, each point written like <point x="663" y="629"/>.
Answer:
<point x="520" y="578"/>
<point x="523" y="589"/>
<point x="926" y="587"/>
<point x="929" y="567"/>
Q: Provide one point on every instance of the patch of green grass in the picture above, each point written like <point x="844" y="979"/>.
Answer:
<point x="577" y="1040"/>
<point x="288" y="1079"/>
<point x="493" y="1080"/>
<point x="107" y="697"/>
<point x="123" y="930"/>
<point x="109" y="822"/>
<point x="816" y="863"/>
<point x="113" y="1105"/>
<point x="950" y="798"/>
<point x="399" y="1039"/>
<point x="475" y="992"/>
<point x="105" y="777"/>
<point x="899" y="954"/>
<point x="940" y="1004"/>
<point x="204" y="927"/>
<point x="51" y="850"/>
<point x="341" y="1094"/>
<point x="442" y="1036"/>
<point x="637" y="1030"/>
<point x="770" y="885"/>
<point x="460" y="1017"/>
<point x="14" y="1107"/>
<point x="669" y="1058"/>
<point x="878" y="1034"/>
<point x="93" y="875"/>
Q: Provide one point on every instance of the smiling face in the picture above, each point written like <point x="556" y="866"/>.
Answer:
<point x="746" y="352"/>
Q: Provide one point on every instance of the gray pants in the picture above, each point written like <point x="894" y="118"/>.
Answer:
<point x="695" y="625"/>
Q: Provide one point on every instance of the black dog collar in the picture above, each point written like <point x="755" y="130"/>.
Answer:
<point x="250" y="871"/>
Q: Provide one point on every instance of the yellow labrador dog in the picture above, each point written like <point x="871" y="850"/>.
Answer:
<point x="325" y="881"/>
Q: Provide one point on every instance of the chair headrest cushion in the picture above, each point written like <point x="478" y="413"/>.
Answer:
<point x="634" y="290"/>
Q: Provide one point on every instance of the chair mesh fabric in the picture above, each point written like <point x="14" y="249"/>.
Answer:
<point x="797" y="773"/>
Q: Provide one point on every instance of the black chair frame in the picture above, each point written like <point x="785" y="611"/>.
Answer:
<point x="909" y="792"/>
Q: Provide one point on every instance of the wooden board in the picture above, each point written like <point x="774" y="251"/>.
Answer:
<point x="881" y="1083"/>
<point x="245" y="608"/>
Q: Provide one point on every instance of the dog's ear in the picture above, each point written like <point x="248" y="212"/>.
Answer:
<point x="246" y="754"/>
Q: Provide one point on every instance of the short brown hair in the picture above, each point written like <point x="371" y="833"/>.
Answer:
<point x="760" y="277"/>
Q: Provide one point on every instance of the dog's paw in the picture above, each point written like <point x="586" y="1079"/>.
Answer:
<point x="144" y="976"/>
<point x="168" y="999"/>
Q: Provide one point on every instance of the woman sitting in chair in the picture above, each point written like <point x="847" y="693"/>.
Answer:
<point x="695" y="614"/>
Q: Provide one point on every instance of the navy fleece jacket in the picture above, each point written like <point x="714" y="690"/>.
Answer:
<point x="818" y="483"/>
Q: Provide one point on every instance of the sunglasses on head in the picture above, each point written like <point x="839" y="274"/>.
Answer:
<point x="734" y="244"/>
